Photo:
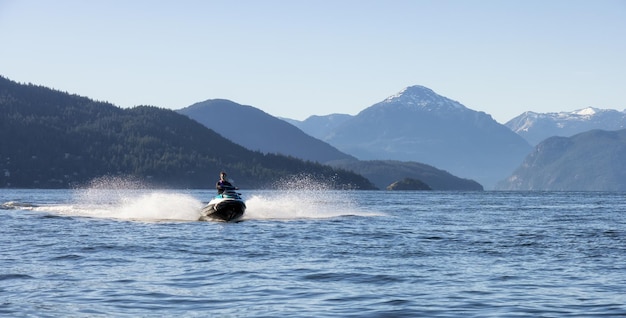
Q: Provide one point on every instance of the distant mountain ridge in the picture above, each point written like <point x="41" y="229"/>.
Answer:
<point x="536" y="127"/>
<point x="419" y="125"/>
<point x="257" y="130"/>
<point x="320" y="126"/>
<point x="590" y="161"/>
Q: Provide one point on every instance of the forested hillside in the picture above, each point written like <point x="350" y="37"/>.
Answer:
<point x="385" y="172"/>
<point x="52" y="139"/>
<point x="594" y="160"/>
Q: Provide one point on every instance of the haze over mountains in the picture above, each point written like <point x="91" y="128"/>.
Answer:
<point x="320" y="126"/>
<point x="591" y="161"/>
<point x="413" y="135"/>
<point x="443" y="118"/>
<point x="257" y="130"/>
<point x="419" y="125"/>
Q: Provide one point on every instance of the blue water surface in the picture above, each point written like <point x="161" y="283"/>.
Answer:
<point x="313" y="254"/>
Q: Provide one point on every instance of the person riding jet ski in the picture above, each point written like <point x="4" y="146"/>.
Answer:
<point x="223" y="184"/>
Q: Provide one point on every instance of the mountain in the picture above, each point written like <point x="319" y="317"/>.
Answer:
<point x="591" y="161"/>
<point x="257" y="130"/>
<point x="408" y="184"/>
<point x="320" y="126"/>
<point x="260" y="131"/>
<point x="419" y="125"/>
<point x="535" y="127"/>
<point x="383" y="173"/>
<point x="52" y="139"/>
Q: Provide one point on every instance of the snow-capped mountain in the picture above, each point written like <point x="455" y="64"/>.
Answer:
<point x="535" y="127"/>
<point x="423" y="98"/>
<point x="419" y="125"/>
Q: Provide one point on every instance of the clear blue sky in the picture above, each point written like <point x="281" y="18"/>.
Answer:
<point x="295" y="58"/>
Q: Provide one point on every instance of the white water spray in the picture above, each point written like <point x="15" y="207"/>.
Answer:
<point x="303" y="197"/>
<point x="299" y="197"/>
<point x="120" y="198"/>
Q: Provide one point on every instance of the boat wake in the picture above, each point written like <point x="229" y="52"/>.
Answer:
<point x="155" y="206"/>
<point x="304" y="197"/>
<point x="132" y="205"/>
<point x="303" y="205"/>
<point x="125" y="200"/>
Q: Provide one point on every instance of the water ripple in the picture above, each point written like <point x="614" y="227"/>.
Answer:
<point x="416" y="254"/>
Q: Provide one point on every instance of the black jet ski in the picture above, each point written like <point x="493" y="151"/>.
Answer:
<point x="226" y="207"/>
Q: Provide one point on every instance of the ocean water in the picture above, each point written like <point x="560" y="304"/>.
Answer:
<point x="313" y="253"/>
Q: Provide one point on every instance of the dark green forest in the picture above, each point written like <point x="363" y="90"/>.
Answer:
<point x="53" y="139"/>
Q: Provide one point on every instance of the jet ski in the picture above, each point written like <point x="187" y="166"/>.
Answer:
<point x="226" y="207"/>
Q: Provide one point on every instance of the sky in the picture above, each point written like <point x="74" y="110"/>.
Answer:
<point x="297" y="58"/>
